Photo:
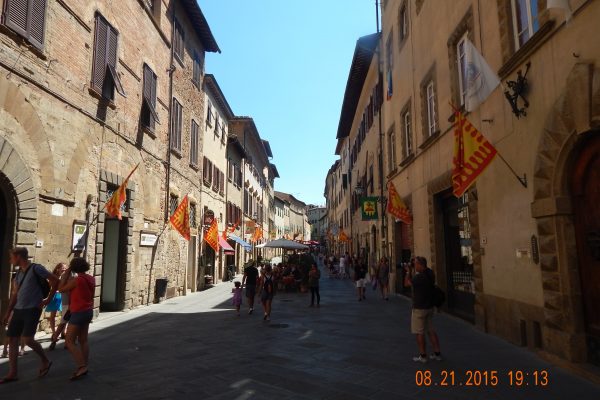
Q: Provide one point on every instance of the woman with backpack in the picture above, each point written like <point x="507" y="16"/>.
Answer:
<point x="267" y="291"/>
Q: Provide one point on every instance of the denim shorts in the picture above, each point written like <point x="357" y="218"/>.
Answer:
<point x="81" y="318"/>
<point x="24" y="322"/>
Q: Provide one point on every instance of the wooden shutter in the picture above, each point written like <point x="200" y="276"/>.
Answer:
<point x="222" y="183"/>
<point x="100" y="41"/>
<point x="37" y="21"/>
<point x="16" y="16"/>
<point x="205" y="169"/>
<point x="176" y="126"/>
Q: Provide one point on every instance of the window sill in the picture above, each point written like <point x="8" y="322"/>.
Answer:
<point x="407" y="160"/>
<point x="196" y="83"/>
<point x="430" y="140"/>
<point x="23" y="41"/>
<point x="148" y="131"/>
<point x="176" y="152"/>
<point x="195" y="167"/>
<point x="103" y="101"/>
<point x="206" y="183"/>
<point x="526" y="50"/>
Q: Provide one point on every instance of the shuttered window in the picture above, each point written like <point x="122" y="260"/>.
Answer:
<point x="28" y="19"/>
<point x="207" y="172"/>
<point x="222" y="183"/>
<point x="194" y="144"/>
<point x="215" y="179"/>
<point x="178" y="40"/>
<point x="149" y="115"/>
<point x="104" y="75"/>
<point x="197" y="72"/>
<point x="176" y="121"/>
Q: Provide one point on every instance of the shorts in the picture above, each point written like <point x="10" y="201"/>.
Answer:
<point x="24" y="322"/>
<point x="81" y="318"/>
<point x="65" y="314"/>
<point x="250" y="291"/>
<point x="421" y="321"/>
<point x="360" y="283"/>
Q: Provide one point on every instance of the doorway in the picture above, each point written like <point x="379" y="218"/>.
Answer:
<point x="586" y="200"/>
<point x="402" y="255"/>
<point x="458" y="255"/>
<point x="114" y="267"/>
<point x="7" y="228"/>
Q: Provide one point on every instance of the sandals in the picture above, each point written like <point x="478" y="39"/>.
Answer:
<point x="44" y="371"/>
<point x="78" y="374"/>
<point x="8" y="380"/>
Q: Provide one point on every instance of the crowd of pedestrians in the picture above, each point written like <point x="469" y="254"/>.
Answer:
<point x="35" y="288"/>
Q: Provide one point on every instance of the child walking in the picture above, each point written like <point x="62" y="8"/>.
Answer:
<point x="237" y="296"/>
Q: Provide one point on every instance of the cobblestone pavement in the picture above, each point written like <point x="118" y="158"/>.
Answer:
<point x="195" y="347"/>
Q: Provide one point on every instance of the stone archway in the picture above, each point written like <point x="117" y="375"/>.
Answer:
<point x="19" y="204"/>
<point x="575" y="113"/>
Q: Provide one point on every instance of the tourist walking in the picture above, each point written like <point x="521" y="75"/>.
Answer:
<point x="56" y="304"/>
<point x="27" y="300"/>
<point x="342" y="267"/>
<point x="237" y="297"/>
<point x="360" y="278"/>
<point x="81" y="292"/>
<point x="249" y="282"/>
<point x="65" y="315"/>
<point x="313" y="282"/>
<point x="383" y="277"/>
<point x="267" y="291"/>
<point x="423" y="286"/>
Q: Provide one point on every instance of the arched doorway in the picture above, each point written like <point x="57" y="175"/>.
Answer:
<point x="7" y="229"/>
<point x="585" y="190"/>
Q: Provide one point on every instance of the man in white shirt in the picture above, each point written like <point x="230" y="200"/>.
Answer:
<point x="342" y="267"/>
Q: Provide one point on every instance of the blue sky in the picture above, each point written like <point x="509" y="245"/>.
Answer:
<point x="285" y="63"/>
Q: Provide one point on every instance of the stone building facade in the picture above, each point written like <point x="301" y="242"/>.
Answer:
<point x="518" y="262"/>
<point x="87" y="92"/>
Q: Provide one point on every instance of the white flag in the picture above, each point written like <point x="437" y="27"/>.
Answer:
<point x="481" y="80"/>
<point x="564" y="4"/>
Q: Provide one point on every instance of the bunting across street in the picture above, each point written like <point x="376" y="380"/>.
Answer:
<point x="396" y="205"/>
<point x="472" y="154"/>
<point x="181" y="218"/>
<point x="211" y="237"/>
<point x="114" y="204"/>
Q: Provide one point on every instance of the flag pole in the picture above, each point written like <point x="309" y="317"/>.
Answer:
<point x="522" y="180"/>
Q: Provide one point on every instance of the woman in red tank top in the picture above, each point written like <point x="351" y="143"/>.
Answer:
<point x="81" y="305"/>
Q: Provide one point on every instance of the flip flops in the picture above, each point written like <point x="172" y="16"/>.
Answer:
<point x="44" y="371"/>
<point x="78" y="375"/>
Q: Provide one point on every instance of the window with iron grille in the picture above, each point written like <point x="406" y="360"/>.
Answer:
<point x="178" y="41"/>
<point x="193" y="223"/>
<point x="149" y="115"/>
<point x="105" y="79"/>
<point x="194" y="144"/>
<point x="173" y="203"/>
<point x="176" y="121"/>
<point x="27" y="18"/>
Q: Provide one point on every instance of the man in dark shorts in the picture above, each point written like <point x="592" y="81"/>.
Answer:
<point x="26" y="304"/>
<point x="249" y="279"/>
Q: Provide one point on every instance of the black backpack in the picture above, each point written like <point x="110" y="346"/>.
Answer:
<point x="268" y="285"/>
<point x="44" y="285"/>
<point x="439" y="297"/>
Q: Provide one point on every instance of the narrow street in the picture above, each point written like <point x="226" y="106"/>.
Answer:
<point x="196" y="347"/>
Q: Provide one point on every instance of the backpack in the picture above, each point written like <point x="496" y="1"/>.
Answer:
<point x="44" y="285"/>
<point x="439" y="297"/>
<point x="268" y="285"/>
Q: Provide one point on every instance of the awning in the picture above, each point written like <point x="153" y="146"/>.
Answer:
<point x="240" y="241"/>
<point x="224" y="245"/>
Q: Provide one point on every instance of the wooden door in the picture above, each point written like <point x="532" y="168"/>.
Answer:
<point x="586" y="205"/>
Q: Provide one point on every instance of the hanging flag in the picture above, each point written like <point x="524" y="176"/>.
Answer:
<point x="211" y="237"/>
<point x="258" y="233"/>
<point x="343" y="237"/>
<point x="368" y="207"/>
<point x="396" y="206"/>
<point x="480" y="79"/>
<point x="472" y="154"/>
<point x="390" y="88"/>
<point x="113" y="206"/>
<point x="234" y="227"/>
<point x="563" y="4"/>
<point x="181" y="218"/>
